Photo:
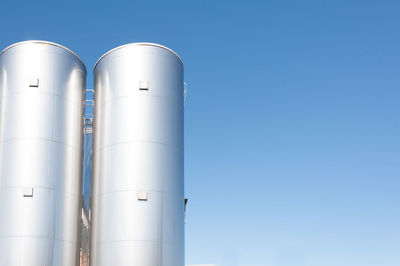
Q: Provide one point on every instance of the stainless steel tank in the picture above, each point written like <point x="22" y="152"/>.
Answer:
<point x="41" y="114"/>
<point x="138" y="198"/>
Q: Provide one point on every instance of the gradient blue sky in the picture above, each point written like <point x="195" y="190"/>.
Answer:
<point x="292" y="118"/>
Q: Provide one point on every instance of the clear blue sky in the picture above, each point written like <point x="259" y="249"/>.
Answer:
<point x="292" y="118"/>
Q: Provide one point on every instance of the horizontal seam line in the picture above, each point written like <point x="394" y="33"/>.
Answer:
<point x="42" y="139"/>
<point x="41" y="187"/>
<point x="137" y="141"/>
<point x="126" y="240"/>
<point x="40" y="237"/>
<point x="42" y="92"/>
<point x="131" y="96"/>
<point x="95" y="197"/>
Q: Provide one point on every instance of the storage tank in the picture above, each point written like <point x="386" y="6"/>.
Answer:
<point x="138" y="190"/>
<point x="41" y="132"/>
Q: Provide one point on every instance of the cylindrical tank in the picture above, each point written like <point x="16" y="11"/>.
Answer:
<point x="137" y="197"/>
<point x="41" y="133"/>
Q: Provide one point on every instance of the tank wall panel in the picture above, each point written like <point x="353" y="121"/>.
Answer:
<point x="41" y="115"/>
<point x="138" y="197"/>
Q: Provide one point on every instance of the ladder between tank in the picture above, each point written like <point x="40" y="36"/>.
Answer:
<point x="87" y="176"/>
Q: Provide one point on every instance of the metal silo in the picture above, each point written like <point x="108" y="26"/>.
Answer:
<point x="41" y="115"/>
<point x="138" y="198"/>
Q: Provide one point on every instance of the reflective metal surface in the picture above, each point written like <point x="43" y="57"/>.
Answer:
<point x="41" y="115"/>
<point x="137" y="197"/>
